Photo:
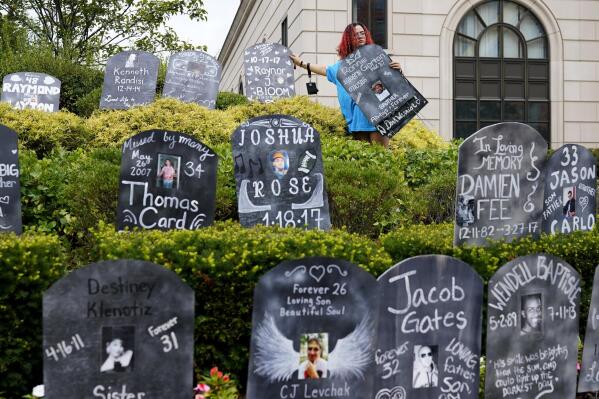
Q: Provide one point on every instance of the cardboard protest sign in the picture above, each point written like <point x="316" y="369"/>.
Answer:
<point x="429" y="332"/>
<point x="193" y="77"/>
<point x="118" y="329"/>
<point x="386" y="97"/>
<point x="499" y="193"/>
<point x="279" y="173"/>
<point x="532" y="329"/>
<point x="313" y="328"/>
<point x="588" y="380"/>
<point x="268" y="72"/>
<point x="10" y="188"/>
<point x="570" y="190"/>
<point x="130" y="79"/>
<point x="167" y="181"/>
<point x="31" y="90"/>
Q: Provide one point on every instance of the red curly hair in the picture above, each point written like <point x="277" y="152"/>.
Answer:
<point x="349" y="39"/>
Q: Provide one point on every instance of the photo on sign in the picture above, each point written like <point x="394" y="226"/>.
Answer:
<point x="380" y="91"/>
<point x="279" y="159"/>
<point x="131" y="60"/>
<point x="314" y="353"/>
<point x="425" y="373"/>
<point x="465" y="210"/>
<point x="531" y="314"/>
<point x="569" y="201"/>
<point x="168" y="171"/>
<point x="118" y="344"/>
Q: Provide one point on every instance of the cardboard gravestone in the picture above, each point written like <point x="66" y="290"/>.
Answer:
<point x="118" y="329"/>
<point x="193" y="77"/>
<point x="429" y="332"/>
<point x="588" y="381"/>
<point x="499" y="193"/>
<point x="130" y="79"/>
<point x="31" y="90"/>
<point x="532" y="329"/>
<point x="167" y="181"/>
<point x="10" y="188"/>
<point x="268" y="72"/>
<point x="384" y="94"/>
<point x="279" y="173"/>
<point x="570" y="190"/>
<point x="313" y="327"/>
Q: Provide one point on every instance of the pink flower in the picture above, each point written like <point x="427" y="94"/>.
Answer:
<point x="198" y="396"/>
<point x="213" y="371"/>
<point x="204" y="388"/>
<point x="226" y="378"/>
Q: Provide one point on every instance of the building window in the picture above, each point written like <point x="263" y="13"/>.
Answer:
<point x="284" y="41"/>
<point x="501" y="69"/>
<point x="372" y="13"/>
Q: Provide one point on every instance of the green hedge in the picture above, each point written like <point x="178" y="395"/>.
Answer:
<point x="28" y="266"/>
<point x="222" y="264"/>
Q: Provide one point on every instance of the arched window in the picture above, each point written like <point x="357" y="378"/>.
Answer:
<point x="501" y="69"/>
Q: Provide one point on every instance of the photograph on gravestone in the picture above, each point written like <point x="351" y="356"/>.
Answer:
<point x="313" y="327"/>
<point x="130" y="79"/>
<point x="429" y="332"/>
<point x="10" y="187"/>
<point x="268" y="72"/>
<point x="499" y="190"/>
<point x="193" y="77"/>
<point x="279" y="173"/>
<point x="167" y="181"/>
<point x="31" y="90"/>
<point x="118" y="329"/>
<point x="570" y="185"/>
<point x="532" y="329"/>
<point x="588" y="379"/>
<point x="386" y="97"/>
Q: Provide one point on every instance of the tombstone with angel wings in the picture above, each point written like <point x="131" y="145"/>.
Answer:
<point x="313" y="329"/>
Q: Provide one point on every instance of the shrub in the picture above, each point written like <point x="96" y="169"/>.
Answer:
<point x="28" y="266"/>
<point x="226" y="100"/>
<point x="222" y="264"/>
<point x="433" y="202"/>
<point x="42" y="131"/>
<point x="112" y="127"/>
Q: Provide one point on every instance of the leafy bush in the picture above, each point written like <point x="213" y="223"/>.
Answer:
<point x="222" y="264"/>
<point x="28" y="266"/>
<point x="43" y="131"/>
<point x="433" y="202"/>
<point x="226" y="100"/>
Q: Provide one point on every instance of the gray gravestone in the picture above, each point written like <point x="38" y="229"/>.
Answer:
<point x="499" y="193"/>
<point x="118" y="329"/>
<point x="588" y="381"/>
<point x="31" y="90"/>
<point x="10" y="188"/>
<point x="532" y="329"/>
<point x="168" y="181"/>
<point x="570" y="190"/>
<point x="268" y="72"/>
<point x="192" y="77"/>
<point x="429" y="331"/>
<point x="313" y="328"/>
<point x="386" y="97"/>
<point x="279" y="173"/>
<point x="130" y="79"/>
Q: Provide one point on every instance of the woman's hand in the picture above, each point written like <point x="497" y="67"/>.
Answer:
<point x="296" y="60"/>
<point x="396" y="65"/>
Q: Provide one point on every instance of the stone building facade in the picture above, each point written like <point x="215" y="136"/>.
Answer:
<point x="477" y="62"/>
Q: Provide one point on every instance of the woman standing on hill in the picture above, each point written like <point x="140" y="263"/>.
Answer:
<point x="355" y="35"/>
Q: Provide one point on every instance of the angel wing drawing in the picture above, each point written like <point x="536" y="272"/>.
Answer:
<point x="277" y="361"/>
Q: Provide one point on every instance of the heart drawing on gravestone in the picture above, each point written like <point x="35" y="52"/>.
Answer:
<point x="14" y="151"/>
<point x="317" y="272"/>
<point x="395" y="393"/>
<point x="4" y="200"/>
<point x="584" y="202"/>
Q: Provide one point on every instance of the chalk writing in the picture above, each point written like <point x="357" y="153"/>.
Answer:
<point x="31" y="90"/>
<point x="268" y="72"/>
